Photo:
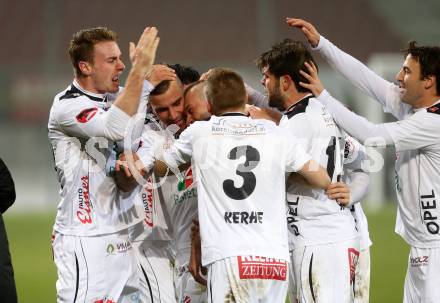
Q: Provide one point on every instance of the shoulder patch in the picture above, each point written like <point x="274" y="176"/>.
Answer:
<point x="435" y="109"/>
<point x="86" y="115"/>
<point x="297" y="108"/>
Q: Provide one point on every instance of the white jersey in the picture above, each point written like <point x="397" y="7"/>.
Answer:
<point x="240" y="167"/>
<point x="415" y="138"/>
<point x="83" y="127"/>
<point x="313" y="218"/>
<point x="354" y="154"/>
<point x="171" y="205"/>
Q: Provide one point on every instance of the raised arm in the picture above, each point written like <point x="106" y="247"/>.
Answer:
<point x="353" y="70"/>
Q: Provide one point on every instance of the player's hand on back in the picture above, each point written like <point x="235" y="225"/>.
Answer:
<point x="159" y="73"/>
<point x="143" y="54"/>
<point x="339" y="192"/>
<point x="309" y="31"/>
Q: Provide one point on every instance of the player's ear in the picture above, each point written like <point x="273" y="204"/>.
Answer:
<point x="85" y="67"/>
<point x="429" y="81"/>
<point x="285" y="82"/>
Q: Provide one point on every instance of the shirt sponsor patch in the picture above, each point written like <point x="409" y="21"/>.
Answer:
<point x="86" y="115"/>
<point x="251" y="267"/>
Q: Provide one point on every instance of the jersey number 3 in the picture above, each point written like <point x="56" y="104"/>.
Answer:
<point x="252" y="158"/>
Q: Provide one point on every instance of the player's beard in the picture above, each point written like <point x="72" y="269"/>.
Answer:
<point x="275" y="98"/>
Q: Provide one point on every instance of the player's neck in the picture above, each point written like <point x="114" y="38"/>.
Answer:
<point x="427" y="101"/>
<point x="294" y="98"/>
<point x="86" y="84"/>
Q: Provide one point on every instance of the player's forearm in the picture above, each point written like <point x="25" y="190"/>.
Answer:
<point x="365" y="131"/>
<point x="315" y="175"/>
<point x="354" y="71"/>
<point x="128" y="100"/>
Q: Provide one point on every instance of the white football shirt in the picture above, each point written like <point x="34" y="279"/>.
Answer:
<point x="240" y="167"/>
<point x="416" y="138"/>
<point x="312" y="217"/>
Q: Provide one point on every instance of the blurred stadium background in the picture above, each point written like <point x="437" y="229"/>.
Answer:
<point x="34" y="66"/>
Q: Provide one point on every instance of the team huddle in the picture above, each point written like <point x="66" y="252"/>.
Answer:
<point x="181" y="187"/>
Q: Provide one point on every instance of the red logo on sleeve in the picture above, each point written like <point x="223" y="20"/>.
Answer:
<point x="86" y="115"/>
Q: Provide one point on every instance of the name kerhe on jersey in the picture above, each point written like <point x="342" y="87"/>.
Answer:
<point x="238" y="128"/>
<point x="244" y="217"/>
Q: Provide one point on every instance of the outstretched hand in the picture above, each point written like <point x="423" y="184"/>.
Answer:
<point x="309" y="31"/>
<point x="143" y="54"/>
<point x="315" y="84"/>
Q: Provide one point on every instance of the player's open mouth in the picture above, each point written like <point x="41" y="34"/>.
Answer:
<point x="116" y="79"/>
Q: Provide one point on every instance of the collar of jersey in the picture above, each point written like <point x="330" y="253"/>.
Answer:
<point x="293" y="106"/>
<point x="233" y="114"/>
<point x="93" y="96"/>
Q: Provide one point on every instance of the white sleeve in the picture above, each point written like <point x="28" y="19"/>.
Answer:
<point x="296" y="156"/>
<point x="387" y="93"/>
<point x="79" y="118"/>
<point x="354" y="154"/>
<point x="365" y="131"/>
<point x="182" y="149"/>
<point x="256" y="98"/>
<point x="359" y="185"/>
<point x="418" y="131"/>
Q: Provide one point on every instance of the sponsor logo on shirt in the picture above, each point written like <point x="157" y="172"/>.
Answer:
<point x="251" y="267"/>
<point x="147" y="201"/>
<point x="244" y="217"/>
<point x="183" y="188"/>
<point x="120" y="247"/>
<point x="187" y="180"/>
<point x="429" y="210"/>
<point x="353" y="258"/>
<point x="84" y="206"/>
<point x="419" y="261"/>
<point x="292" y="216"/>
<point x="86" y="115"/>
<point x="238" y="129"/>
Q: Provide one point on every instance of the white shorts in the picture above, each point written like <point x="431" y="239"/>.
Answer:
<point x="325" y="273"/>
<point x="189" y="290"/>
<point x="95" y="269"/>
<point x="422" y="281"/>
<point x="156" y="267"/>
<point x="247" y="279"/>
<point x="362" y="278"/>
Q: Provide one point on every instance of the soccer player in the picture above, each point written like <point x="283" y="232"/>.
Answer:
<point x="240" y="166"/>
<point x="92" y="252"/>
<point x="170" y="205"/>
<point x="416" y="140"/>
<point x="322" y="235"/>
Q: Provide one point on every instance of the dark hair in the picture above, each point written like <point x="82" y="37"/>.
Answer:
<point x="429" y="60"/>
<point x="225" y="90"/>
<point x="287" y="58"/>
<point x="185" y="74"/>
<point x="82" y="44"/>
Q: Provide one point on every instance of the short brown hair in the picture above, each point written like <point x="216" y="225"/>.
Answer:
<point x="225" y="90"/>
<point x="287" y="58"/>
<point x="82" y="44"/>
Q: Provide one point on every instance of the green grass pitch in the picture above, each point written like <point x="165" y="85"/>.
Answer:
<point x="29" y="239"/>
